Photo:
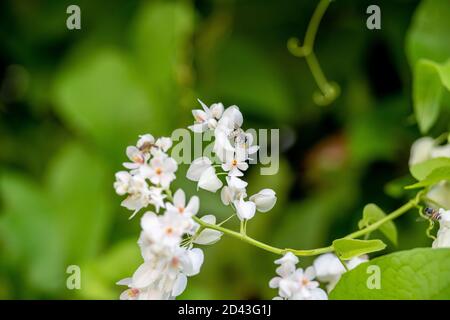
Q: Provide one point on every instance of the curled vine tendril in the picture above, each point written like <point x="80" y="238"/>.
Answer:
<point x="329" y="91"/>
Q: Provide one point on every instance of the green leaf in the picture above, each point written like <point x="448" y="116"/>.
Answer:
<point x="427" y="94"/>
<point x="32" y="238"/>
<point x="160" y="34"/>
<point x="421" y="170"/>
<point x="240" y="64"/>
<point x="438" y="174"/>
<point x="79" y="185"/>
<point x="97" y="93"/>
<point x="420" y="274"/>
<point x="349" y="248"/>
<point x="372" y="213"/>
<point x="428" y="34"/>
<point x="100" y="275"/>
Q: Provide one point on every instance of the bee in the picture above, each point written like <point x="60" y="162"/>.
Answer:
<point x="146" y="147"/>
<point x="432" y="214"/>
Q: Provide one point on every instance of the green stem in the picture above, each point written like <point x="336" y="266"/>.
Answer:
<point x="406" y="207"/>
<point x="329" y="91"/>
<point x="311" y="252"/>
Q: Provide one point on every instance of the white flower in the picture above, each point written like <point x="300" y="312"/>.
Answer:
<point x="145" y="142"/>
<point x="329" y="268"/>
<point x="137" y="158"/>
<point x="209" y="180"/>
<point x="156" y="197"/>
<point x="265" y="200"/>
<point x="234" y="190"/>
<point x="236" y="163"/>
<point x="164" y="143"/>
<point x="179" y="205"/>
<point x="166" y="276"/>
<point x="207" y="118"/>
<point x="216" y="110"/>
<point x="443" y="235"/>
<point x="440" y="193"/>
<point x="201" y="170"/>
<point x="208" y="236"/>
<point x="295" y="284"/>
<point x="160" y="171"/>
<point x="308" y="289"/>
<point x="139" y="194"/>
<point x="231" y="119"/>
<point x="197" y="167"/>
<point x="122" y="183"/>
<point x="245" y="210"/>
<point x="421" y="150"/>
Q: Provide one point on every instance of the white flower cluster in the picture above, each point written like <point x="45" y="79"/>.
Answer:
<point x="443" y="235"/>
<point x="425" y="149"/>
<point x="151" y="171"/>
<point x="299" y="284"/>
<point x="166" y="240"/>
<point x="233" y="147"/>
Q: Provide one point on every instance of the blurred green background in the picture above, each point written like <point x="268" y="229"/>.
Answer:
<point x="72" y="100"/>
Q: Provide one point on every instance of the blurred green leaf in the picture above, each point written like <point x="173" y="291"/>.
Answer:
<point x="246" y="75"/>
<point x="98" y="94"/>
<point x="428" y="34"/>
<point x="78" y="184"/>
<point x="31" y="233"/>
<point x="160" y="34"/>
<point x="427" y="94"/>
<point x="349" y="248"/>
<point x="421" y="170"/>
<point x="371" y="214"/>
<point x="100" y="275"/>
<point x="415" y="274"/>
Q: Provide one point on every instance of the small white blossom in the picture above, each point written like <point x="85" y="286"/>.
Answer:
<point x="137" y="158"/>
<point x="207" y="118"/>
<point x="265" y="200"/>
<point x="209" y="180"/>
<point x="236" y="163"/>
<point x="208" y="236"/>
<point x="197" y="167"/>
<point x="164" y="143"/>
<point x="295" y="284"/>
<point x="245" y="210"/>
<point x="179" y="205"/>
<point x="329" y="268"/>
<point x="122" y="183"/>
<point x="234" y="190"/>
<point x="161" y="171"/>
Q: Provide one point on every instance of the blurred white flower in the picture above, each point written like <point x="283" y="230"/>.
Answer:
<point x="421" y="150"/>
<point x="137" y="158"/>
